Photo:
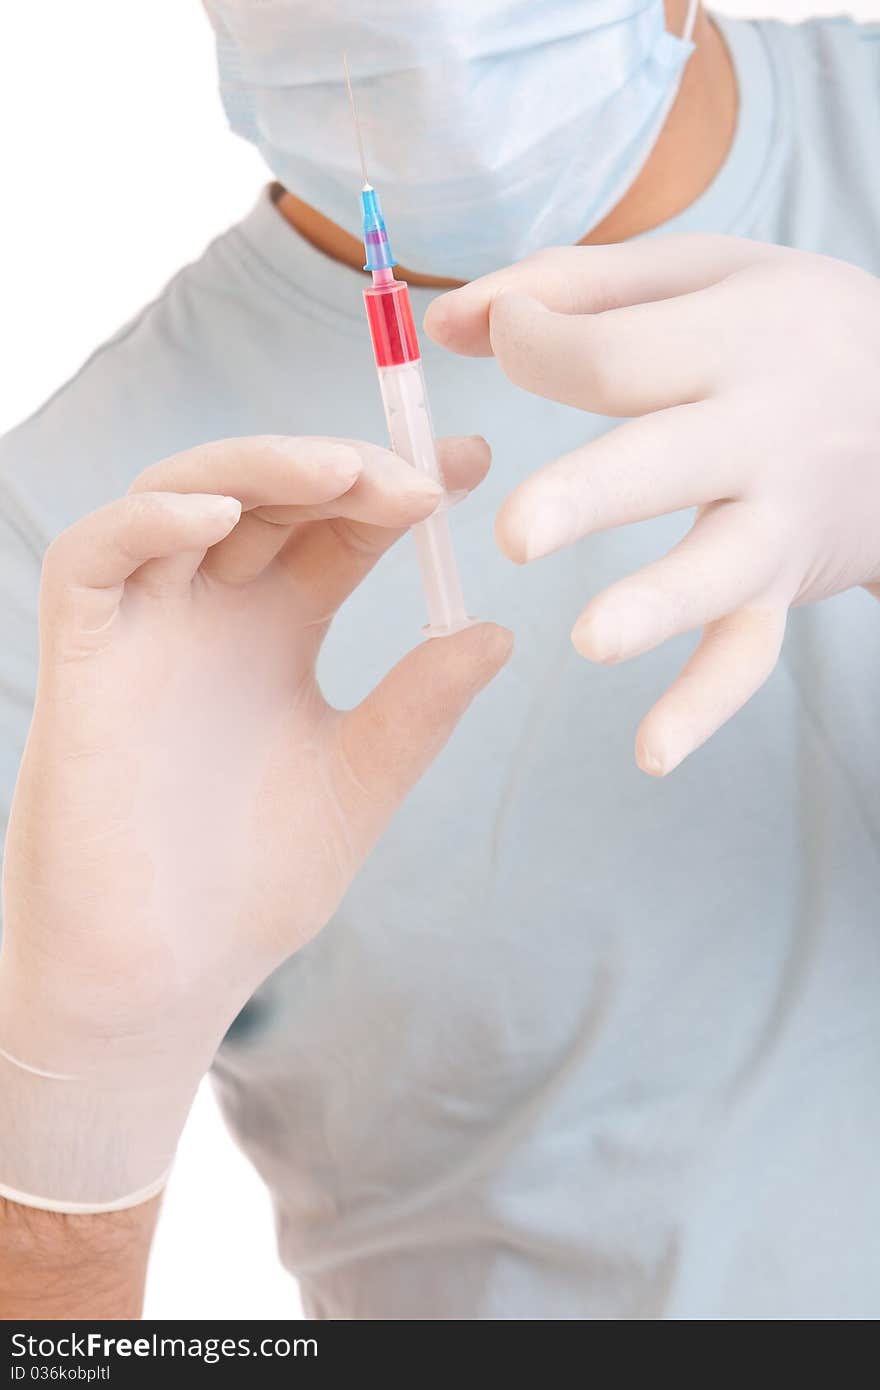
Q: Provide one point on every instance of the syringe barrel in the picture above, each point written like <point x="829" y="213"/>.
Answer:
<point x="412" y="437"/>
<point x="390" y="317"/>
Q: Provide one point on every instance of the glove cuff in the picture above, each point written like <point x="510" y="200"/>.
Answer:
<point x="82" y="1147"/>
<point x="28" y="1199"/>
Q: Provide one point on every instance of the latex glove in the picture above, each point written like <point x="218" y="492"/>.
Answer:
<point x="190" y="811"/>
<point x="754" y="372"/>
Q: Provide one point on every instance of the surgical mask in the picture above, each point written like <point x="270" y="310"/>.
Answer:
<point x="493" y="128"/>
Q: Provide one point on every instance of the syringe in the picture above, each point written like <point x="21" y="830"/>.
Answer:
<point x="402" y="383"/>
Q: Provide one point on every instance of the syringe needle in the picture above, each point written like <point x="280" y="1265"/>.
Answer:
<point x="357" y="125"/>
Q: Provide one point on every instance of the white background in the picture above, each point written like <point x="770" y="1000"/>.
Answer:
<point x="117" y="168"/>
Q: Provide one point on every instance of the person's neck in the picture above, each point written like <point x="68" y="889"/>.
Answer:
<point x="691" y="149"/>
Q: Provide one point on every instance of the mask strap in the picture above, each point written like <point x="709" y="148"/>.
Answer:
<point x="690" y="20"/>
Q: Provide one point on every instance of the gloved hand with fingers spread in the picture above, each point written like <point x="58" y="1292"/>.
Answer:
<point x="753" y="373"/>
<point x="190" y="811"/>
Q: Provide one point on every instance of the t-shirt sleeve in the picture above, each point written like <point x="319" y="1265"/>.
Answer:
<point x="828" y="78"/>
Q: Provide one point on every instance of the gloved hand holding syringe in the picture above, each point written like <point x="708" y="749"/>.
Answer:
<point x="404" y="396"/>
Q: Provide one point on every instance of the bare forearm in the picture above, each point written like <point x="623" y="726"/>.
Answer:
<point x="73" y="1267"/>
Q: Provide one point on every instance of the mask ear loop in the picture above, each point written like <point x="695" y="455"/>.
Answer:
<point x="690" y="21"/>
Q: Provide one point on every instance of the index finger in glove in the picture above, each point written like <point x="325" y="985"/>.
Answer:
<point x="622" y="362"/>
<point x="589" y="280"/>
<point x="282" y="481"/>
<point x="258" y="470"/>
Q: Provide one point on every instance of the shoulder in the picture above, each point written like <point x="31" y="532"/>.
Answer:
<point x="837" y="36"/>
<point x="58" y="463"/>
<point x="149" y="390"/>
<point x="825" y="78"/>
<point x="831" y="64"/>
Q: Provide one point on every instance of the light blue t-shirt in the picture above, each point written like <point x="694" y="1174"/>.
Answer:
<point x="622" y="1059"/>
